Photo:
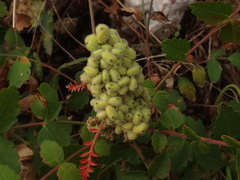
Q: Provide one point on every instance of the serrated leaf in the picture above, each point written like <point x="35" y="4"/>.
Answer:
<point x="74" y="103"/>
<point x="175" y="49"/>
<point x="51" y="153"/>
<point x="47" y="25"/>
<point x="160" y="167"/>
<point x="211" y="161"/>
<point x="77" y="61"/>
<point x="187" y="88"/>
<point x="199" y="75"/>
<point x="55" y="132"/>
<point x="227" y="123"/>
<point x="102" y="147"/>
<point x="131" y="156"/>
<point x="181" y="153"/>
<point x="176" y="99"/>
<point x="231" y="32"/>
<point x="232" y="142"/>
<point x="7" y="173"/>
<point x="9" y="108"/>
<point x="172" y="118"/>
<point x="217" y="53"/>
<point x="14" y="40"/>
<point x="212" y="12"/>
<point x="3" y="9"/>
<point x="9" y="155"/>
<point x="195" y="125"/>
<point x="50" y="111"/>
<point x="234" y="58"/>
<point x="190" y="133"/>
<point x="19" y="72"/>
<point x="160" y="100"/>
<point x="68" y="171"/>
<point x="159" y="142"/>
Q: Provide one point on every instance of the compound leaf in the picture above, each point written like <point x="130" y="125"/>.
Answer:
<point x="68" y="171"/>
<point x="51" y="153"/>
<point x="212" y="12"/>
<point x="176" y="49"/>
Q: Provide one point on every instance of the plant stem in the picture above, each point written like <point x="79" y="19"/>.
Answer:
<point x="206" y="140"/>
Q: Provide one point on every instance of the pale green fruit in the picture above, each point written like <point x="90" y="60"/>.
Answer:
<point x="109" y="57"/>
<point x="93" y="62"/>
<point x="127" y="127"/>
<point x="97" y="79"/>
<point x="104" y="64"/>
<point x="123" y="90"/>
<point x="97" y="55"/>
<point x="122" y="70"/>
<point x="84" y="77"/>
<point x="140" y="128"/>
<point x="105" y="76"/>
<point x="101" y="115"/>
<point x="115" y="76"/>
<point x="133" y="84"/>
<point x="124" y="81"/>
<point x="124" y="108"/>
<point x="118" y="129"/>
<point x="120" y="45"/>
<point x="115" y="101"/>
<point x="90" y="71"/>
<point x="111" y="112"/>
<point x="111" y="86"/>
<point x="131" y="53"/>
<point x="131" y="135"/>
<point x="103" y="33"/>
<point x="91" y="42"/>
<point x="137" y="117"/>
<point x="106" y="47"/>
<point x="134" y="71"/>
<point x="126" y="62"/>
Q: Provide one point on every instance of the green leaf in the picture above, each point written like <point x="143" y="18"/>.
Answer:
<point x="47" y="29"/>
<point x="146" y="138"/>
<point x="195" y="125"/>
<point x="160" y="100"/>
<point x="9" y="155"/>
<point x="231" y="32"/>
<point x="9" y="108"/>
<point x="51" y="153"/>
<point x="76" y="62"/>
<point x="199" y="75"/>
<point x="234" y="58"/>
<point x="3" y="9"/>
<point x="19" y="72"/>
<point x="5" y="172"/>
<point x="217" y="53"/>
<point x="121" y="175"/>
<point x="172" y="118"/>
<point x="232" y="142"/>
<point x="211" y="161"/>
<point x="176" y="99"/>
<point x="214" y="70"/>
<point x="160" y="167"/>
<point x="235" y="105"/>
<point x="187" y="88"/>
<point x="204" y="148"/>
<point x="55" y="132"/>
<point x="159" y="142"/>
<point x="68" y="171"/>
<point x="212" y="12"/>
<point x="74" y="103"/>
<point x="85" y="134"/>
<point x="98" y="148"/>
<point x="176" y="49"/>
<point x="53" y="107"/>
<point x="227" y="123"/>
<point x="131" y="156"/>
<point x="181" y="153"/>
<point x="190" y="133"/>
<point x="14" y="40"/>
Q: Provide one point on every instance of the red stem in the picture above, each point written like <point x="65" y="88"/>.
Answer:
<point x="206" y="140"/>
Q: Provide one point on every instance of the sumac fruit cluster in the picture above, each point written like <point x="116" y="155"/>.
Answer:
<point x="114" y="80"/>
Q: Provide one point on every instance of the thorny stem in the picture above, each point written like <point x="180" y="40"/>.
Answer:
<point x="206" y="140"/>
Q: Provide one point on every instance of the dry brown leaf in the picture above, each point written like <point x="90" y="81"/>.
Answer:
<point x="130" y="11"/>
<point x="26" y="102"/>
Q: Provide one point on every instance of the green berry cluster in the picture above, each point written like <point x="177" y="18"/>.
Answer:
<point x="114" y="80"/>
